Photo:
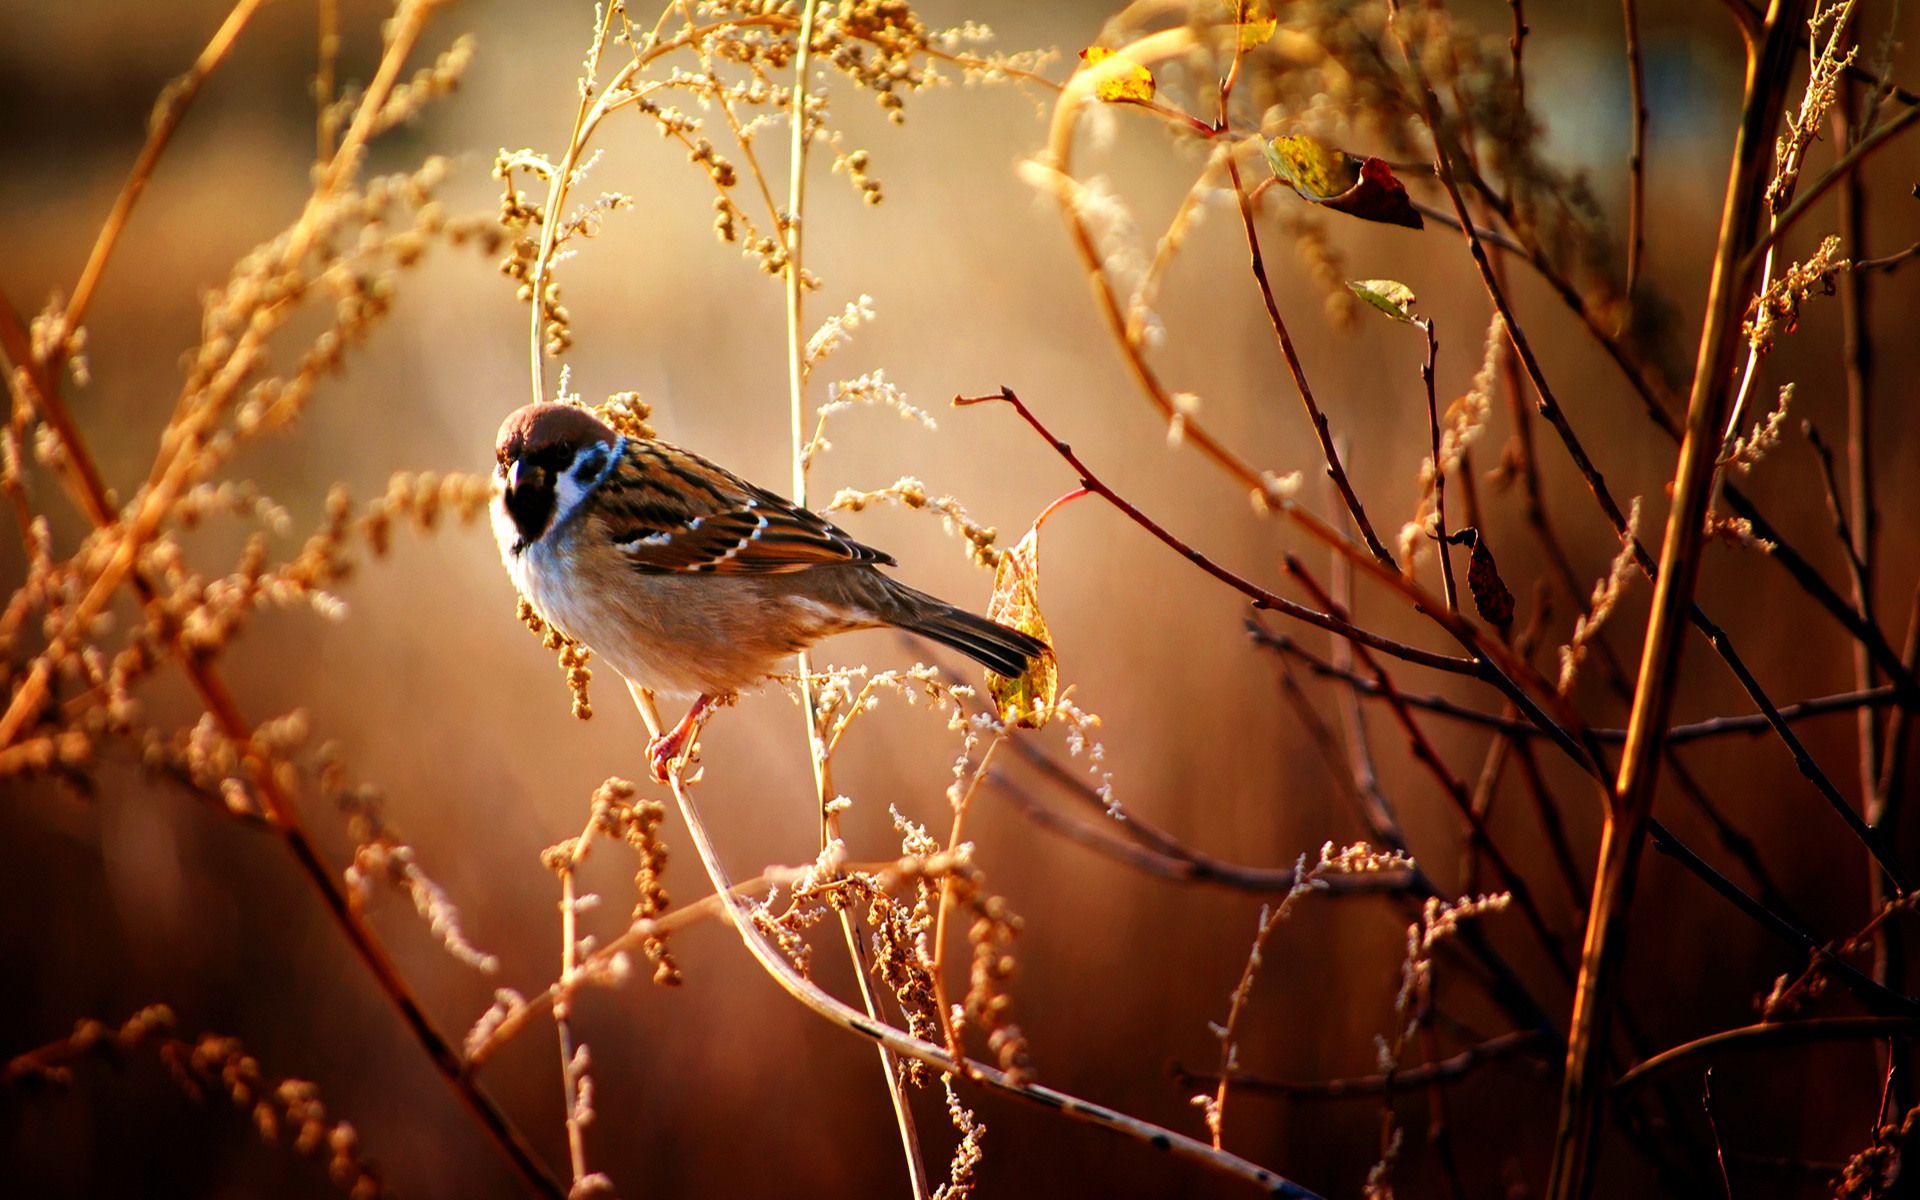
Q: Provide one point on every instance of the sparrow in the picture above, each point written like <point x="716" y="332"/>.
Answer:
<point x="686" y="578"/>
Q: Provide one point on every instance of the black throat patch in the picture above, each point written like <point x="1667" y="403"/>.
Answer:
<point x="530" y="502"/>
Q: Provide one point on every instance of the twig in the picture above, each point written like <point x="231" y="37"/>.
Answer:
<point x="1335" y="471"/>
<point x="42" y="393"/>
<point x="1768" y="1036"/>
<point x="1637" y="157"/>
<point x="1494" y="1049"/>
<point x="1193" y="867"/>
<point x="1841" y="169"/>
<point x="1576" y="1144"/>
<point x="1450" y="784"/>
<point x="1439" y="468"/>
<point x="1872" y="698"/>
<point x="1713" y="1127"/>
<point x="1882" y="1000"/>
<point x="1889" y="263"/>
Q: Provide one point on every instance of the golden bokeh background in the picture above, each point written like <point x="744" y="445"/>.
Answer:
<point x="130" y="894"/>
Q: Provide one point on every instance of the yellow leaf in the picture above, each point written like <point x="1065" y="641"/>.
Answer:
<point x="1116" y="78"/>
<point x="1027" y="700"/>
<point x="1390" y="297"/>
<point x="1254" y="21"/>
<point x="1317" y="172"/>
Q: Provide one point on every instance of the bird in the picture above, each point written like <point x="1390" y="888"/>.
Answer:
<point x="687" y="579"/>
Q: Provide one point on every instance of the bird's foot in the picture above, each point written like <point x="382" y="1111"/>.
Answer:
<point x="677" y="744"/>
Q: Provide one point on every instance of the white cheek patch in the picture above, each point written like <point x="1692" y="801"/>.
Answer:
<point x="594" y="463"/>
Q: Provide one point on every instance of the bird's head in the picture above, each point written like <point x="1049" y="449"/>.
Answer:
<point x="547" y="457"/>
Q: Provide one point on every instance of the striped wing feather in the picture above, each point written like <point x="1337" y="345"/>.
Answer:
<point x="673" y="512"/>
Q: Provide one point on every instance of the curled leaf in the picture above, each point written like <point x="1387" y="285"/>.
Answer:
<point x="1389" y="296"/>
<point x="1026" y="700"/>
<point x="1117" y="79"/>
<point x="1360" y="187"/>
<point x="1490" y="594"/>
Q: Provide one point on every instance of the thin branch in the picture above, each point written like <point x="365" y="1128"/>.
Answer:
<point x="1637" y="156"/>
<point x="1493" y="663"/>
<point x="167" y="115"/>
<point x="1335" y="471"/>
<point x="1872" y="698"/>
<point x="1882" y="1000"/>
<point x="1192" y="867"/>
<point x="1889" y="263"/>
<point x="1507" y="1045"/>
<point x="1261" y="597"/>
<point x="1770" y="1036"/>
<point x="1576" y="1144"/>
<point x="1841" y="169"/>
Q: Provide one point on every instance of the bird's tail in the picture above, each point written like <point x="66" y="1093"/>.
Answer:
<point x="998" y="648"/>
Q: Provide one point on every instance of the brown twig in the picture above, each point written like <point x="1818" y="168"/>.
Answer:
<point x="1576" y="1143"/>
<point x="1335" y="471"/>
<point x="1494" y="1049"/>
<point x="1770" y="1035"/>
<point x="1637" y="156"/>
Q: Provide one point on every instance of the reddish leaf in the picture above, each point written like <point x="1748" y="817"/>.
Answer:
<point x="1363" y="188"/>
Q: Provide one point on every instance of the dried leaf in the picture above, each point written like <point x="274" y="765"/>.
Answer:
<point x="1360" y="187"/>
<point x="1117" y="79"/>
<point x="1390" y="297"/>
<point x="1490" y="594"/>
<point x="1254" y="21"/>
<point x="1027" y="701"/>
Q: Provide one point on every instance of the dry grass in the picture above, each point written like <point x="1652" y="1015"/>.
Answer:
<point x="1521" y="1012"/>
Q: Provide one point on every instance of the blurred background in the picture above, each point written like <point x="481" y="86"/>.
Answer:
<point x="129" y="894"/>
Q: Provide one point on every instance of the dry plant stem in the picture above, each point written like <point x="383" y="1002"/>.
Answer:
<point x="39" y="383"/>
<point x="1770" y="1035"/>
<point x="963" y="802"/>
<point x="174" y="465"/>
<point x="284" y="818"/>
<point x="1494" y="1049"/>
<point x="1439" y="475"/>
<point x="1637" y="157"/>
<point x="1335" y="471"/>
<point x="173" y="105"/>
<point x="563" y="1008"/>
<point x="1577" y="1141"/>
<point x="1808" y="196"/>
<point x="1858" y="535"/>
<point x="790" y="225"/>
<point x="907" y="1046"/>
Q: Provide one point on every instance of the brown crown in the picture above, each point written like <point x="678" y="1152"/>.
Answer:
<point x="538" y="427"/>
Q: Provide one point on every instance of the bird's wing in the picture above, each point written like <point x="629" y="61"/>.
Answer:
<point x="671" y="511"/>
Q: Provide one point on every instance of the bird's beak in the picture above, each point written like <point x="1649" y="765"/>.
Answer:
<point x="513" y="475"/>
